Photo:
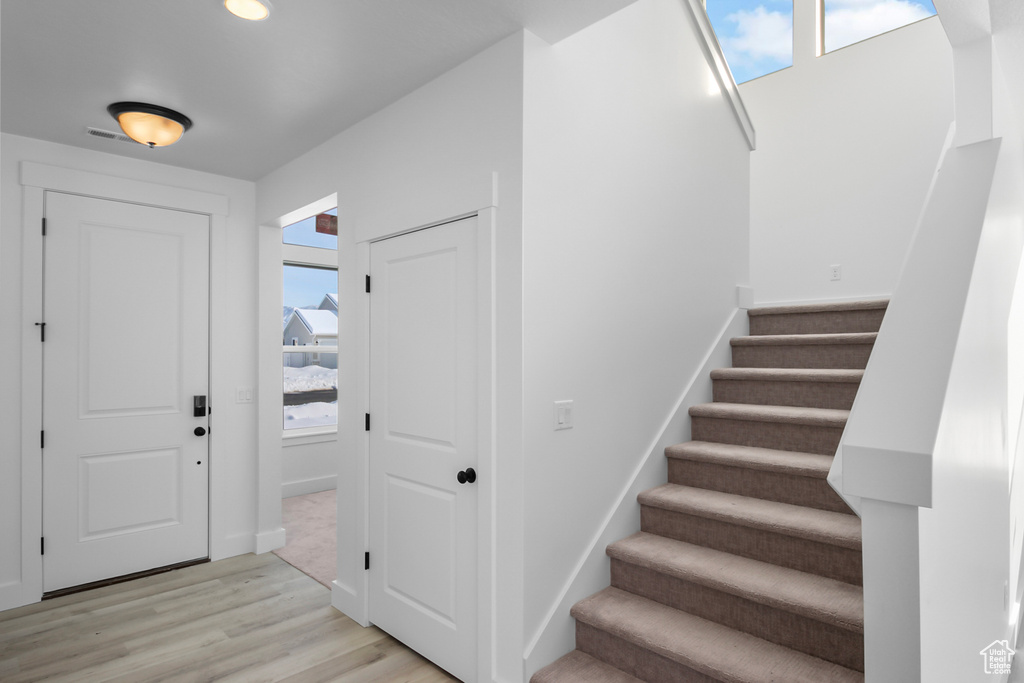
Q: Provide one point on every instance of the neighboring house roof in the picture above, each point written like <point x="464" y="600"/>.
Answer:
<point x="319" y="323"/>
<point x="330" y="299"/>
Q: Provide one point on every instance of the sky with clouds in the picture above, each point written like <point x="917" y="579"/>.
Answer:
<point x="757" y="35"/>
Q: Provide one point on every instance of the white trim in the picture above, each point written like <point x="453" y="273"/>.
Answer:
<point x="269" y="540"/>
<point x="307" y="486"/>
<point x="30" y="588"/>
<point x="303" y="436"/>
<point x="720" y="67"/>
<point x="222" y="340"/>
<point x="121" y="189"/>
<point x="36" y="180"/>
<point x="309" y="348"/>
<point x="487" y="405"/>
<point x="298" y="255"/>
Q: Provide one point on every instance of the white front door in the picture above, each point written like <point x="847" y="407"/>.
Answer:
<point x="423" y="408"/>
<point x="125" y="467"/>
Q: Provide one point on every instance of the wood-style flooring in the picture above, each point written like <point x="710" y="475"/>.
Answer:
<point x="250" y="618"/>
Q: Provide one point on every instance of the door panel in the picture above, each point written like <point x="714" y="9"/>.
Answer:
<point x="126" y="301"/>
<point x="423" y="404"/>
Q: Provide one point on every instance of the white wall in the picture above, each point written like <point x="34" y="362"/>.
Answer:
<point x="966" y="535"/>
<point x="846" y="145"/>
<point x="635" y="237"/>
<point x="308" y="464"/>
<point x="233" y="501"/>
<point x="451" y="148"/>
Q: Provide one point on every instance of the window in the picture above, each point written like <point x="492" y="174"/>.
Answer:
<point x="309" y="278"/>
<point x="851" y="21"/>
<point x="316" y="231"/>
<point x="756" y="35"/>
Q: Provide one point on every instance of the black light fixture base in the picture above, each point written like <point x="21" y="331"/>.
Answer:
<point x="118" y="108"/>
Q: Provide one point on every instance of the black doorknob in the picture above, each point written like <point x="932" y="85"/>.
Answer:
<point x="466" y="476"/>
<point x="199" y="431"/>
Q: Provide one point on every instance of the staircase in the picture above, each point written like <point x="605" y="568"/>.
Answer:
<point x="748" y="565"/>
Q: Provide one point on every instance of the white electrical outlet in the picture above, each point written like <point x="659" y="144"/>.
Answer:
<point x="563" y="415"/>
<point x="837" y="271"/>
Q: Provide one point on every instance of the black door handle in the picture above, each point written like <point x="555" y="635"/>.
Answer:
<point x="466" y="476"/>
<point x="199" y="431"/>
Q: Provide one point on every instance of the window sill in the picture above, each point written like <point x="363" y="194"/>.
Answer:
<point x="302" y="437"/>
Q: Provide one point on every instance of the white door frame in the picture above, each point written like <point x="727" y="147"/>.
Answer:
<point x="36" y="179"/>
<point x="352" y="598"/>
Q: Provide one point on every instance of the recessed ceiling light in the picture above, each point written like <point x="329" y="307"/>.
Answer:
<point x="253" y="10"/>
<point x="150" y="124"/>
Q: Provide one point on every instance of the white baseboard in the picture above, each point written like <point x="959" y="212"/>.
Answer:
<point x="17" y="594"/>
<point x="822" y="300"/>
<point x="269" y="540"/>
<point x="306" y="486"/>
<point x="230" y="546"/>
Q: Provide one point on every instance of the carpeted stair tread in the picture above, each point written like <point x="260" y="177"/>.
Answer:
<point x="841" y="375"/>
<point x="711" y="649"/>
<point x="820" y="526"/>
<point x="805" y="339"/>
<point x="816" y="597"/>
<point x="579" y="667"/>
<point x="752" y="457"/>
<point x="838" y="306"/>
<point x="814" y="417"/>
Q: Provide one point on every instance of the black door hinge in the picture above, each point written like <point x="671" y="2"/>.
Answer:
<point x="42" y="545"/>
<point x="366" y="560"/>
<point x="367" y="284"/>
<point x="44" y="226"/>
<point x="42" y="439"/>
<point x="42" y="331"/>
<point x="367" y="422"/>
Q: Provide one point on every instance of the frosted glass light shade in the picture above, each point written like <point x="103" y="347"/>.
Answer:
<point x="150" y="124"/>
<point x="253" y="10"/>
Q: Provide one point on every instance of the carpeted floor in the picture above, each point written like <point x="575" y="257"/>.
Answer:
<point x="311" y="540"/>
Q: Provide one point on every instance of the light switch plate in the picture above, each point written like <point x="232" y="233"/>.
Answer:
<point x="563" y="415"/>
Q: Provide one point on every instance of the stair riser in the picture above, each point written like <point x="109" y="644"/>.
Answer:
<point x="838" y="395"/>
<point x="779" y="487"/>
<point x="811" y="356"/>
<point x="834" y="562"/>
<point x="811" y="636"/>
<point x="824" y="322"/>
<point x="634" y="659"/>
<point x="778" y="435"/>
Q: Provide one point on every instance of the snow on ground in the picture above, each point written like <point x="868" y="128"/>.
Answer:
<point x="309" y="378"/>
<point x="310" y="415"/>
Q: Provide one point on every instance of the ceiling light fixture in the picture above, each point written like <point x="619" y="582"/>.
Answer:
<point x="150" y="124"/>
<point x="253" y="10"/>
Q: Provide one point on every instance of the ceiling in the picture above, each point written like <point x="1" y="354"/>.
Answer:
<point x="259" y="93"/>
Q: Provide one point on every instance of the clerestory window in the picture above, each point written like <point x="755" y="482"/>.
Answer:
<point x="851" y="21"/>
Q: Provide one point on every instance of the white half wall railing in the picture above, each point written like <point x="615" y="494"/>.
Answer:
<point x="924" y="456"/>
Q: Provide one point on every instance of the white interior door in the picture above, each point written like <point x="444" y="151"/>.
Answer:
<point x="423" y="406"/>
<point x="125" y="469"/>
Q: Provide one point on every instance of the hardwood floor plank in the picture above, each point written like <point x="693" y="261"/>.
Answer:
<point x="248" y="619"/>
